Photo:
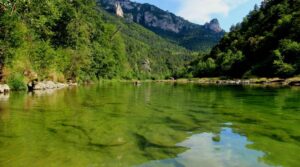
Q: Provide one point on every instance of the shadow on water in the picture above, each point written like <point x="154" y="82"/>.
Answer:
<point x="155" y="124"/>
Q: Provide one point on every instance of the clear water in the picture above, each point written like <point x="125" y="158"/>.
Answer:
<point x="155" y="124"/>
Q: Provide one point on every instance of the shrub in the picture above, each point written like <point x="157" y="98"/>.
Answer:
<point x="16" y="82"/>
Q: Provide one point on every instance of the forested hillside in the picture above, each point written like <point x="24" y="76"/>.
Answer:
<point x="147" y="51"/>
<point x="266" y="43"/>
<point x="74" y="40"/>
<point x="78" y="41"/>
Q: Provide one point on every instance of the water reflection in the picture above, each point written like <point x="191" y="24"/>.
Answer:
<point x="4" y="97"/>
<point x="152" y="125"/>
<point x="211" y="150"/>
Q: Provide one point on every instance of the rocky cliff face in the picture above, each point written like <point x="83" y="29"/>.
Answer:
<point x="165" y="23"/>
<point x="213" y="25"/>
<point x="118" y="9"/>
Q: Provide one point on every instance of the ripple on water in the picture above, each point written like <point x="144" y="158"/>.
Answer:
<point x="154" y="125"/>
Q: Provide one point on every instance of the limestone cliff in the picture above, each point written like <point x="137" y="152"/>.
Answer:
<point x="214" y="25"/>
<point x="118" y="9"/>
<point x="167" y="24"/>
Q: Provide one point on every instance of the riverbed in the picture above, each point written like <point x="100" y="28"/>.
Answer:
<point x="152" y="124"/>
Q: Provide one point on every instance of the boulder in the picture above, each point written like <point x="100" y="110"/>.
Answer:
<point x="137" y="83"/>
<point x="4" y="88"/>
<point x="61" y="85"/>
<point x="47" y="85"/>
<point x="39" y="86"/>
<point x="294" y="83"/>
<point x="50" y="85"/>
<point x="245" y="82"/>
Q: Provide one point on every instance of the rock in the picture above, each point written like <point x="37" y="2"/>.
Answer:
<point x="294" y="83"/>
<point x="119" y="10"/>
<point x="146" y="65"/>
<point x="232" y="82"/>
<point x="137" y="83"/>
<point x="4" y="88"/>
<point x="164" y="23"/>
<point x="47" y="85"/>
<point x="39" y="86"/>
<point x="245" y="82"/>
<point x="155" y="18"/>
<point x="1" y="89"/>
<point x="214" y="25"/>
<point x="279" y="81"/>
<point x="50" y="85"/>
<point x="61" y="85"/>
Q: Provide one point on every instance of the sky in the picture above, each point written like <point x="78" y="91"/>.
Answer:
<point x="228" y="12"/>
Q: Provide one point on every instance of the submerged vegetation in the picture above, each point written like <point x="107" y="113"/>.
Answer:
<point x="151" y="125"/>
<point x="46" y="43"/>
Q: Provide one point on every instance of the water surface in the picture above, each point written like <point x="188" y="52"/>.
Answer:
<point x="155" y="124"/>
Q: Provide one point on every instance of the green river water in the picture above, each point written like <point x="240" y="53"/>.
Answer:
<point x="152" y="125"/>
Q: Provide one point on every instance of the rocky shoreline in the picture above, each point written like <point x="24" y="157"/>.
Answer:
<point x="256" y="81"/>
<point x="44" y="85"/>
<point x="48" y="85"/>
<point x="38" y="86"/>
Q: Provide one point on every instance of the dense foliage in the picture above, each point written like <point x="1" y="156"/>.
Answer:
<point x="58" y="40"/>
<point x="64" y="40"/>
<point x="150" y="55"/>
<point x="266" y="43"/>
<point x="75" y="40"/>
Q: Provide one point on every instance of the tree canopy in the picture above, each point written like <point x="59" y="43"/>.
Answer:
<point x="76" y="40"/>
<point x="265" y="44"/>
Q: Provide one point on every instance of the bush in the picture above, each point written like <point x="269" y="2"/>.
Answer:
<point x="16" y="82"/>
<point x="282" y="68"/>
<point x="205" y="67"/>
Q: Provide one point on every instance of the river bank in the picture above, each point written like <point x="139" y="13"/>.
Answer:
<point x="38" y="86"/>
<point x="218" y="81"/>
<point x="49" y="85"/>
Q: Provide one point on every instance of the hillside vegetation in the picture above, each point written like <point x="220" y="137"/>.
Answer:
<point x="266" y="43"/>
<point x="78" y="41"/>
<point x="74" y="40"/>
<point x="142" y="46"/>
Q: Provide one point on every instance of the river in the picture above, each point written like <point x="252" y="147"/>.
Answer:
<point x="154" y="124"/>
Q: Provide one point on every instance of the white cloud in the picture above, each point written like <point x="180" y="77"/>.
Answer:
<point x="201" y="11"/>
